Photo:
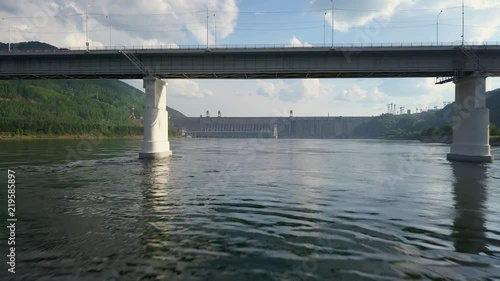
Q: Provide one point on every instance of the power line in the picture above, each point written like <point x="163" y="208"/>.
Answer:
<point x="201" y="28"/>
<point x="123" y="26"/>
<point x="45" y="16"/>
<point x="336" y="9"/>
<point x="229" y="11"/>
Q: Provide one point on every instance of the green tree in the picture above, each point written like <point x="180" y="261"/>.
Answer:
<point x="71" y="107"/>
<point x="494" y="130"/>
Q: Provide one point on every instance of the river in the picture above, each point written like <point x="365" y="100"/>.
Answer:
<point x="248" y="209"/>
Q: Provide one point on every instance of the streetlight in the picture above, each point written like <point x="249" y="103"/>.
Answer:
<point x="333" y="23"/>
<point x="215" y="34"/>
<point x="324" y="30"/>
<point x="208" y="4"/>
<point x="463" y="23"/>
<point x="109" y="22"/>
<point x="87" y="26"/>
<point x="437" y="27"/>
<point x="10" y="37"/>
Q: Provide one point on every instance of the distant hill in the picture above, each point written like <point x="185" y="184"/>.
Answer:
<point x="69" y="106"/>
<point x="412" y="126"/>
<point x="492" y="102"/>
<point x="27" y="46"/>
<point x="391" y="126"/>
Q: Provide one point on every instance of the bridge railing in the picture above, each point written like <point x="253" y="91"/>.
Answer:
<point x="260" y="46"/>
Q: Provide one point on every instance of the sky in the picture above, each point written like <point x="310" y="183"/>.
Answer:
<point x="177" y="23"/>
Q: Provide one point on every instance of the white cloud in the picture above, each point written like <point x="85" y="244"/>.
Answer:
<point x="355" y="93"/>
<point x="371" y="18"/>
<point x="350" y="14"/>
<point x="187" y="88"/>
<point x="312" y="88"/>
<point x="291" y="90"/>
<point x="358" y="94"/>
<point x="492" y="83"/>
<point x="266" y="89"/>
<point x="295" y="42"/>
<point x="423" y="94"/>
<point x="447" y="4"/>
<point x="124" y="22"/>
<point x="429" y="86"/>
<point x="481" y="16"/>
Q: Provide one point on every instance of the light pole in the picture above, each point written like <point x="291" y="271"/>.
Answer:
<point x="109" y="23"/>
<point x="437" y="27"/>
<point x="463" y="23"/>
<point x="324" y="30"/>
<point x="208" y="4"/>
<point x="10" y="37"/>
<point x="333" y="23"/>
<point x="215" y="33"/>
<point x="87" y="26"/>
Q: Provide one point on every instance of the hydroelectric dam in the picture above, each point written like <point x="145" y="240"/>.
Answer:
<point x="269" y="127"/>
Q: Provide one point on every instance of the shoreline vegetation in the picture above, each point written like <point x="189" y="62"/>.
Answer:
<point x="448" y="139"/>
<point x="71" y="109"/>
<point x="7" y="137"/>
<point x="445" y="139"/>
<point x="444" y="134"/>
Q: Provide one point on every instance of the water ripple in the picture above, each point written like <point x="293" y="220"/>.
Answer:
<point x="316" y="217"/>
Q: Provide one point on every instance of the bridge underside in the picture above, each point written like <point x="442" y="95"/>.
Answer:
<point x="221" y="75"/>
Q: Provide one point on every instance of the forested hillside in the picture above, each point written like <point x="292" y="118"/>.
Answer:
<point x="26" y="46"/>
<point x="60" y="107"/>
<point x="390" y="126"/>
<point x="71" y="107"/>
<point x="493" y="103"/>
<point x="412" y="126"/>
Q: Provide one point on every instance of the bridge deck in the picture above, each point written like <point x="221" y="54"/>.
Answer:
<point x="252" y="63"/>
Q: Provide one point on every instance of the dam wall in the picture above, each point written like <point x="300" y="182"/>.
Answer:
<point x="268" y="127"/>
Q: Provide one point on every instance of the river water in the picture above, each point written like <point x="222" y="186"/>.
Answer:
<point x="224" y="209"/>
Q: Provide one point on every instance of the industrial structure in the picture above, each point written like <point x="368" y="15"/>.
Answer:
<point x="269" y="127"/>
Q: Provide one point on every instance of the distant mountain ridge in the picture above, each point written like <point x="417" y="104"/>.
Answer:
<point x="26" y="46"/>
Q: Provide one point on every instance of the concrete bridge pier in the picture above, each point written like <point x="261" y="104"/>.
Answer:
<point x="155" y="144"/>
<point x="471" y="137"/>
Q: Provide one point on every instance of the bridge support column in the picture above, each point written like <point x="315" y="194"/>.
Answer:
<point x="471" y="137"/>
<point x="155" y="144"/>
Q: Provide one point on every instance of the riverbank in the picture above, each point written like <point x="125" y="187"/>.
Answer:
<point x="7" y="136"/>
<point x="10" y="136"/>
<point x="494" y="141"/>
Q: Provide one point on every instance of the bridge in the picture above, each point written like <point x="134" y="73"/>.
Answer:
<point x="466" y="66"/>
<point x="252" y="63"/>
